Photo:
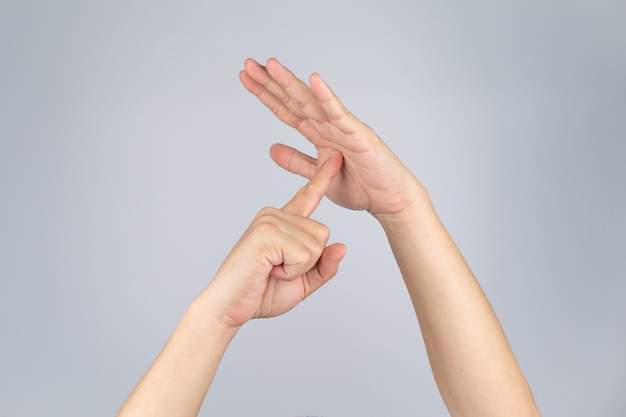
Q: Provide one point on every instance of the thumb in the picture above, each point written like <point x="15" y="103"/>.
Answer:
<point x="326" y="268"/>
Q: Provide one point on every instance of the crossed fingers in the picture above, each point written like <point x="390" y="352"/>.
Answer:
<point x="308" y="198"/>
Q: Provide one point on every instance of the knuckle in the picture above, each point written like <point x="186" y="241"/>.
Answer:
<point x="302" y="104"/>
<point x="263" y="230"/>
<point x="313" y="256"/>
<point x="275" y="108"/>
<point x="307" y="255"/>
<point x="309" y="192"/>
<point x="266" y="220"/>
<point x="265" y="214"/>
<point x="319" y="231"/>
<point x="266" y="226"/>
<point x="324" y="232"/>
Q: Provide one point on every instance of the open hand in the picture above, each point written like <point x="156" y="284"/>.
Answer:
<point x="372" y="177"/>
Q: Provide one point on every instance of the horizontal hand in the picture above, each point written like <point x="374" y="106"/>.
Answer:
<point x="372" y="177"/>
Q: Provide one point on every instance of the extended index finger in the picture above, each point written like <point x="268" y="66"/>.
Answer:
<point x="309" y="197"/>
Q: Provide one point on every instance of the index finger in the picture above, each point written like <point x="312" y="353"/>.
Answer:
<point x="309" y="197"/>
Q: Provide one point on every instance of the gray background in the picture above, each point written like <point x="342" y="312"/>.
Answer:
<point x="131" y="159"/>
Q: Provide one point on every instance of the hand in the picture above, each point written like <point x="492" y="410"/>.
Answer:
<point x="372" y="177"/>
<point x="281" y="258"/>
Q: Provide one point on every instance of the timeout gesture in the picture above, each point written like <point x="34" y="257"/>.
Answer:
<point x="282" y="257"/>
<point x="372" y="177"/>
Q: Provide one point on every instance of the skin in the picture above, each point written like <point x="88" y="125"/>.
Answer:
<point x="475" y="369"/>
<point x="282" y="258"/>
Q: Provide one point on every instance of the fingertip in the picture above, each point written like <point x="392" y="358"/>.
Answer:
<point x="334" y="163"/>
<point x="277" y="151"/>
<point x="331" y="258"/>
<point x="316" y="77"/>
<point x="317" y="80"/>
<point x="342" y="251"/>
<point x="337" y="158"/>
<point x="321" y="90"/>
<point x="281" y="74"/>
<point x="278" y="272"/>
<point x="336" y="252"/>
<point x="273" y="65"/>
<point x="250" y="83"/>
<point x="249" y="63"/>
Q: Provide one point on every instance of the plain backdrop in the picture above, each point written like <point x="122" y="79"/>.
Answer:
<point x="131" y="160"/>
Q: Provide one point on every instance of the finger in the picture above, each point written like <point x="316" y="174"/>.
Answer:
<point x="293" y="160"/>
<point x="329" y="261"/>
<point x="300" y="257"/>
<point x="299" y="97"/>
<point x="338" y="115"/>
<point x="309" y="197"/>
<point x="270" y="100"/>
<point x="260" y="74"/>
<point x="326" y="268"/>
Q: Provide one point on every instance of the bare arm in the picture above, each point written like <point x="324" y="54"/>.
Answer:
<point x="475" y="369"/>
<point x="280" y="260"/>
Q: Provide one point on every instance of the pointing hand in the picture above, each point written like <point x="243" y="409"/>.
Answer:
<point x="282" y="257"/>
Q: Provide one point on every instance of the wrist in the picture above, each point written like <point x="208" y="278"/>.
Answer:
<point x="417" y="202"/>
<point x="209" y="309"/>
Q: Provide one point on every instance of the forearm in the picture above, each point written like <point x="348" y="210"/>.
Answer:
<point x="475" y="369"/>
<point x="280" y="259"/>
<point x="177" y="381"/>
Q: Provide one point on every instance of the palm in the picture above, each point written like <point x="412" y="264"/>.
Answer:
<point x="365" y="181"/>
